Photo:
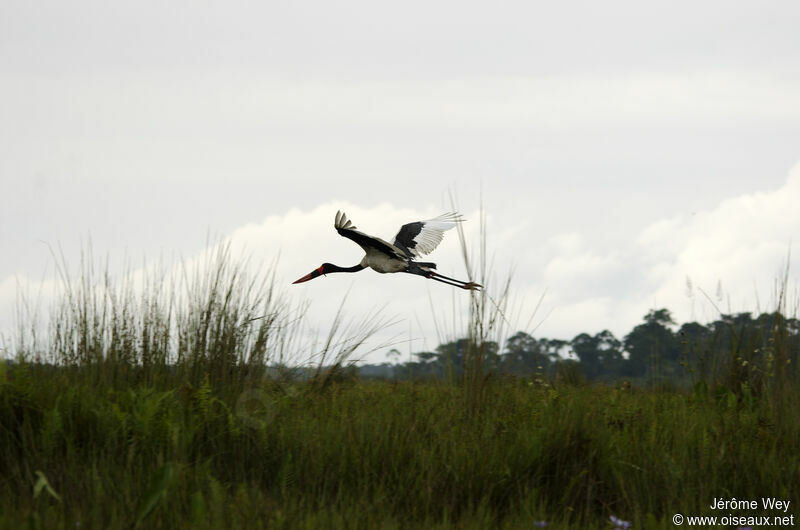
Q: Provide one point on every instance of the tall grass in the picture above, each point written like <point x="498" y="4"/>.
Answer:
<point x="751" y="357"/>
<point x="374" y="453"/>
<point x="211" y="318"/>
<point x="487" y="324"/>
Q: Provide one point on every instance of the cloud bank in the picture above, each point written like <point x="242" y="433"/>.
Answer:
<point x="741" y="245"/>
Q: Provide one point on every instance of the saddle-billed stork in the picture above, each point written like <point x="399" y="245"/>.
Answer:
<point x="412" y="241"/>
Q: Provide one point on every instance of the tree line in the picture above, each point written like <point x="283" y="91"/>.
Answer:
<point x="740" y="346"/>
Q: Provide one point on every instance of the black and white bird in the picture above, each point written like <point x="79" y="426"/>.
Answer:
<point x="412" y="241"/>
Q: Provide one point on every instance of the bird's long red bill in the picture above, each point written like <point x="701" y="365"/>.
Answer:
<point x="311" y="275"/>
<point x="304" y="278"/>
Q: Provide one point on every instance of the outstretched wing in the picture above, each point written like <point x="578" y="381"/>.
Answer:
<point x="422" y="237"/>
<point x="347" y="229"/>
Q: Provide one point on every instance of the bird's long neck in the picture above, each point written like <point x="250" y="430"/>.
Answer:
<point x="336" y="268"/>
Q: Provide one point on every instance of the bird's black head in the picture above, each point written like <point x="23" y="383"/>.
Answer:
<point x="322" y="269"/>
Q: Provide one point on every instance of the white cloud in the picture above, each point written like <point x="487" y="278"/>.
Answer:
<point x="742" y="243"/>
<point x="24" y="301"/>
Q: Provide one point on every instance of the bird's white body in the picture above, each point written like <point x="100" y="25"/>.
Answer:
<point x="383" y="263"/>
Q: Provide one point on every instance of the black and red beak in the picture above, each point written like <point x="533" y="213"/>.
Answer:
<point x="310" y="276"/>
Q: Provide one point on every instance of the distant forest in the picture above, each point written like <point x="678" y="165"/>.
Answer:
<point x="736" y="346"/>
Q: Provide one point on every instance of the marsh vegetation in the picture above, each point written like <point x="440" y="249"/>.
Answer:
<point x="153" y="404"/>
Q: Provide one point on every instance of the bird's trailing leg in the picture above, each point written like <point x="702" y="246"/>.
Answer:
<point x="472" y="286"/>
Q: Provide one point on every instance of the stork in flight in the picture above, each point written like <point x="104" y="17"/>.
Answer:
<point x="412" y="241"/>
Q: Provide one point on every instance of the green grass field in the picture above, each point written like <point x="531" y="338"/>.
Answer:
<point x="167" y="454"/>
<point x="150" y="410"/>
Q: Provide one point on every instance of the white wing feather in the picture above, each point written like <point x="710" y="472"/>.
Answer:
<point x="432" y="233"/>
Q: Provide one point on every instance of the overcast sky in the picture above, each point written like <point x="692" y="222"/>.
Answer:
<point x="618" y="148"/>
